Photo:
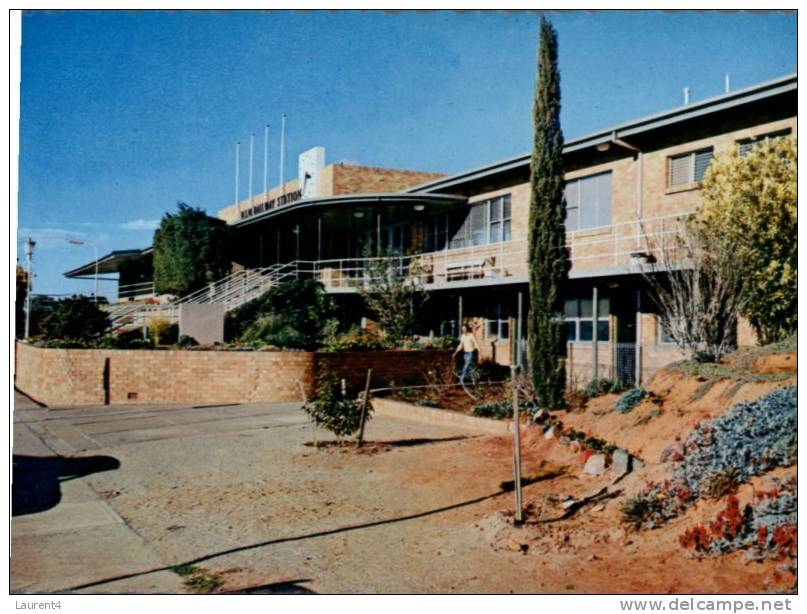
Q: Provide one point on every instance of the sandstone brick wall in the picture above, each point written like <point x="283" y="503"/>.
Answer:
<point x="349" y="179"/>
<point x="66" y="378"/>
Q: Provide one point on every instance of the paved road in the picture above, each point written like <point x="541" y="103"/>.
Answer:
<point x="107" y="499"/>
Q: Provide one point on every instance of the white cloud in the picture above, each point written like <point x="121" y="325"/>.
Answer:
<point x="140" y="225"/>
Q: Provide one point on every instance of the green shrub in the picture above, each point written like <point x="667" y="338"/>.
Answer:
<point x="498" y="411"/>
<point x="333" y="410"/>
<point x="600" y="386"/>
<point x="186" y="341"/>
<point x="77" y="318"/>
<point x="275" y="330"/>
<point x="630" y="399"/>
<point x="299" y="303"/>
<point x="355" y="340"/>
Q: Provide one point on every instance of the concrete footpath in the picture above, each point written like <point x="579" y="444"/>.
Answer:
<point x="80" y="537"/>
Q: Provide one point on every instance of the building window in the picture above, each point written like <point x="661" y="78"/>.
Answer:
<point x="744" y="146"/>
<point x="497" y="324"/>
<point x="663" y="333"/>
<point x="588" y="202"/>
<point x="689" y="168"/>
<point x="480" y="223"/>
<point x="579" y="319"/>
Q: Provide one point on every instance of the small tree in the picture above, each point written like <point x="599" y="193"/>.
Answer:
<point x="393" y="293"/>
<point x="77" y="318"/>
<point x="699" y="284"/>
<point x="548" y="263"/>
<point x="333" y="408"/>
<point x="752" y="200"/>
<point x="191" y="249"/>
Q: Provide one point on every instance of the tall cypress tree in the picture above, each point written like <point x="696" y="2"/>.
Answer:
<point x="548" y="262"/>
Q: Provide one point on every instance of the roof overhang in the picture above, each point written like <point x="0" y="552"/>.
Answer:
<point x="109" y="263"/>
<point x="695" y="110"/>
<point x="352" y="201"/>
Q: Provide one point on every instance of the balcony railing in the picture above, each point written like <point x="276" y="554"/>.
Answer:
<point x="139" y="290"/>
<point x="613" y="249"/>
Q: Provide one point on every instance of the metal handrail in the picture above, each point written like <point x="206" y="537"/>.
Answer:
<point x="503" y="259"/>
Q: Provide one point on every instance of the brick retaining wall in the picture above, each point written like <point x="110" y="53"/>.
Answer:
<point x="66" y="378"/>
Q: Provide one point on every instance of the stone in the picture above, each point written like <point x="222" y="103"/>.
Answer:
<point x="551" y="432"/>
<point x="635" y="463"/>
<point x="517" y="546"/>
<point x="563" y="440"/>
<point x="540" y="415"/>
<point x="595" y="465"/>
<point x="620" y="462"/>
<point x="568" y="503"/>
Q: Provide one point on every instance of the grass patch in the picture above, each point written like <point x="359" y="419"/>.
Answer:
<point x="198" y="579"/>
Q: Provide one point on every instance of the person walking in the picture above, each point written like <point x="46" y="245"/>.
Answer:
<point x="467" y="346"/>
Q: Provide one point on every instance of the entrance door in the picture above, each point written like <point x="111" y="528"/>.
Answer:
<point x="624" y="309"/>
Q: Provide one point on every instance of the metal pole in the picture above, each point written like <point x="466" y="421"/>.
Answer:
<point x="237" y="171"/>
<point x="282" y="154"/>
<point x="519" y="518"/>
<point x="95" y="293"/>
<point x="28" y="296"/>
<point x="459" y="315"/>
<point x="595" y="312"/>
<point x="251" y="150"/>
<point x="266" y="161"/>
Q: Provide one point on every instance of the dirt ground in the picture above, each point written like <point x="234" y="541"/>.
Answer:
<point x="235" y="497"/>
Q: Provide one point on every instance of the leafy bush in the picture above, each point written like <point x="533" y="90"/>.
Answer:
<point x="600" y="386"/>
<point x="498" y="411"/>
<point x="132" y="340"/>
<point x="630" y="399"/>
<point x="753" y="437"/>
<point x="501" y="410"/>
<point x="186" y="341"/>
<point x="274" y="330"/>
<point x="162" y="331"/>
<point x="332" y="409"/>
<point x="354" y="340"/>
<point x="301" y="304"/>
<point x="766" y="528"/>
<point x="77" y="318"/>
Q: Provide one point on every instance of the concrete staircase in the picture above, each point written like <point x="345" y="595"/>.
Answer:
<point x="232" y="291"/>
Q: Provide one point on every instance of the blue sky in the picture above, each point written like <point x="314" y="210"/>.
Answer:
<point x="125" y="113"/>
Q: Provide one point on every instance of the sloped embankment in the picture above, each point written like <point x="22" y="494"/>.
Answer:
<point x="681" y="396"/>
<point x="717" y="484"/>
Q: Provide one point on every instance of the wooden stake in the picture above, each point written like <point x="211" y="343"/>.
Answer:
<point x="313" y="424"/>
<point x="364" y="402"/>
<point x="519" y="519"/>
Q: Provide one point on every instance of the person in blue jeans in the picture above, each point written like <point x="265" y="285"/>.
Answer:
<point x="467" y="346"/>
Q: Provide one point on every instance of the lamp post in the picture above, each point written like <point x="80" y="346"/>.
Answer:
<point x="29" y="254"/>
<point x="95" y="251"/>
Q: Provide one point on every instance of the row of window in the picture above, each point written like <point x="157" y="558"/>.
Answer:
<point x="480" y="224"/>
<point x="689" y="168"/>
<point x="587" y="199"/>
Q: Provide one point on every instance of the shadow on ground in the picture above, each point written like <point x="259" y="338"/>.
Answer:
<point x="36" y="480"/>
<point x="290" y="587"/>
<point x="370" y="446"/>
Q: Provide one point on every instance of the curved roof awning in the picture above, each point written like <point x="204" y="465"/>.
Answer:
<point x="108" y="264"/>
<point x="348" y="203"/>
